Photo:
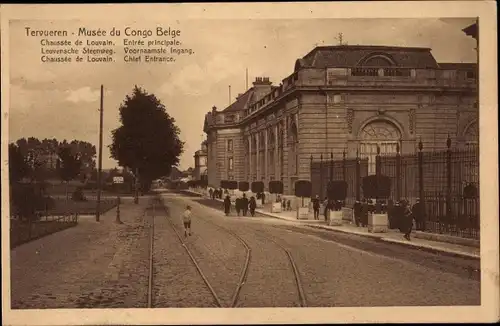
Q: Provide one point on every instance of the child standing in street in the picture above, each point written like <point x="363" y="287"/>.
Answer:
<point x="186" y="219"/>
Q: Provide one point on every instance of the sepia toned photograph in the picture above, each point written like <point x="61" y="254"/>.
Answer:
<point x="231" y="162"/>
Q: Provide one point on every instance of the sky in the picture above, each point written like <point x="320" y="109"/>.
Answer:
<point x="61" y="100"/>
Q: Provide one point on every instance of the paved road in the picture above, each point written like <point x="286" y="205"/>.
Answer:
<point x="106" y="265"/>
<point x="336" y="270"/>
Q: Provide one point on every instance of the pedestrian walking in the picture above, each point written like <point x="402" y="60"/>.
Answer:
<point x="237" y="205"/>
<point x="365" y="207"/>
<point x="316" y="205"/>
<point x="325" y="208"/>
<point x="227" y="205"/>
<point x="252" y="205"/>
<point x="407" y="219"/>
<point x="244" y="205"/>
<point x="288" y="205"/>
<point x="186" y="220"/>
<point x="419" y="215"/>
<point x="357" y="212"/>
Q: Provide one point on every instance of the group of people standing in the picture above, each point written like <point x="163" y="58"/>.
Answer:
<point x="215" y="193"/>
<point x="327" y="205"/>
<point x="286" y="205"/>
<point x="242" y="205"/>
<point x="400" y="214"/>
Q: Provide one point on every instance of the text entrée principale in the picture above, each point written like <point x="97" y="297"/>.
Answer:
<point x="160" y="45"/>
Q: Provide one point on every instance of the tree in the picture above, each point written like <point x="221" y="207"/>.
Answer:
<point x="18" y="167"/>
<point x="243" y="186"/>
<point x="257" y="187"/>
<point x="68" y="164"/>
<point x="376" y="186"/>
<point x="303" y="188"/>
<point x="148" y="139"/>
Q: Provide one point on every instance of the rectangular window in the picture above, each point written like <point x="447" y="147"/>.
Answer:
<point x="230" y="164"/>
<point x="230" y="145"/>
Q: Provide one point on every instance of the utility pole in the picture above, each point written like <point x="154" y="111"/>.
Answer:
<point x="229" y="94"/>
<point x="99" y="164"/>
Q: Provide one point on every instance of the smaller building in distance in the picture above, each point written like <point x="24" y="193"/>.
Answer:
<point x="200" y="163"/>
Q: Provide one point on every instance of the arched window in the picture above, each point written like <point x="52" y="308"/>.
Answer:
<point x="470" y="171"/>
<point x="377" y="61"/>
<point x="471" y="134"/>
<point x="382" y="134"/>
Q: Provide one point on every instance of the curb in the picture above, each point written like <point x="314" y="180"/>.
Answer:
<point x="362" y="234"/>
<point x="431" y="249"/>
<point x="379" y="237"/>
<point x="423" y="247"/>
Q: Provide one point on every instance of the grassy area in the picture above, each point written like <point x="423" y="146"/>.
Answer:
<point x="22" y="232"/>
<point x="89" y="207"/>
<point x="60" y="217"/>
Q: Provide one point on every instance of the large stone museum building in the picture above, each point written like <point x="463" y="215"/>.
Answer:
<point x="342" y="98"/>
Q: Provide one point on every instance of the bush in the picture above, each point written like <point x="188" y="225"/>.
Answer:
<point x="336" y="190"/>
<point x="470" y="191"/>
<point x="232" y="185"/>
<point x="376" y="186"/>
<point x="276" y="187"/>
<point x="257" y="187"/>
<point x="303" y="188"/>
<point x="243" y="186"/>
<point x="78" y="195"/>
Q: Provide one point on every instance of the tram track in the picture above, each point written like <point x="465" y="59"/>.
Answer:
<point x="159" y="206"/>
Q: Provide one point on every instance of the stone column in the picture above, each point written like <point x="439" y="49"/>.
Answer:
<point x="286" y="179"/>
<point x="276" y="154"/>
<point x="266" y="158"/>
<point x="250" y="157"/>
<point x="257" y="153"/>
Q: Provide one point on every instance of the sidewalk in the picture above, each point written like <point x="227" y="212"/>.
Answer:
<point x="71" y="268"/>
<point x="450" y="245"/>
<point x="393" y="236"/>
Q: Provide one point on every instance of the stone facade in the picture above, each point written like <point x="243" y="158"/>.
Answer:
<point x="200" y="163"/>
<point x="342" y="98"/>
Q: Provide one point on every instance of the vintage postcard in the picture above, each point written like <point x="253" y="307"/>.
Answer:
<point x="300" y="162"/>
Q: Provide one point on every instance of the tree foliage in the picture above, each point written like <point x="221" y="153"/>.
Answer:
<point x="336" y="190"/>
<point x="18" y="166"/>
<point x="232" y="184"/>
<point x="257" y="187"/>
<point x="243" y="186"/>
<point x="148" y="139"/>
<point x="376" y="186"/>
<point x="303" y="188"/>
<point x="68" y="164"/>
<point x="276" y="187"/>
<point x="41" y="155"/>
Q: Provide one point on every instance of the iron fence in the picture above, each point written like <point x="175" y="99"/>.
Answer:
<point x="438" y="178"/>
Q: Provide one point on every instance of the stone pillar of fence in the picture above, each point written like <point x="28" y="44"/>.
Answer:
<point x="331" y="166"/>
<point x="398" y="173"/>
<point x="344" y="166"/>
<point x="421" y="174"/>
<point x="358" y="176"/>
<point x="321" y="176"/>
<point x="448" y="180"/>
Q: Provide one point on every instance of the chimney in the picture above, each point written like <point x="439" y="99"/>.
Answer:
<point x="262" y="81"/>
<point x="214" y="109"/>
